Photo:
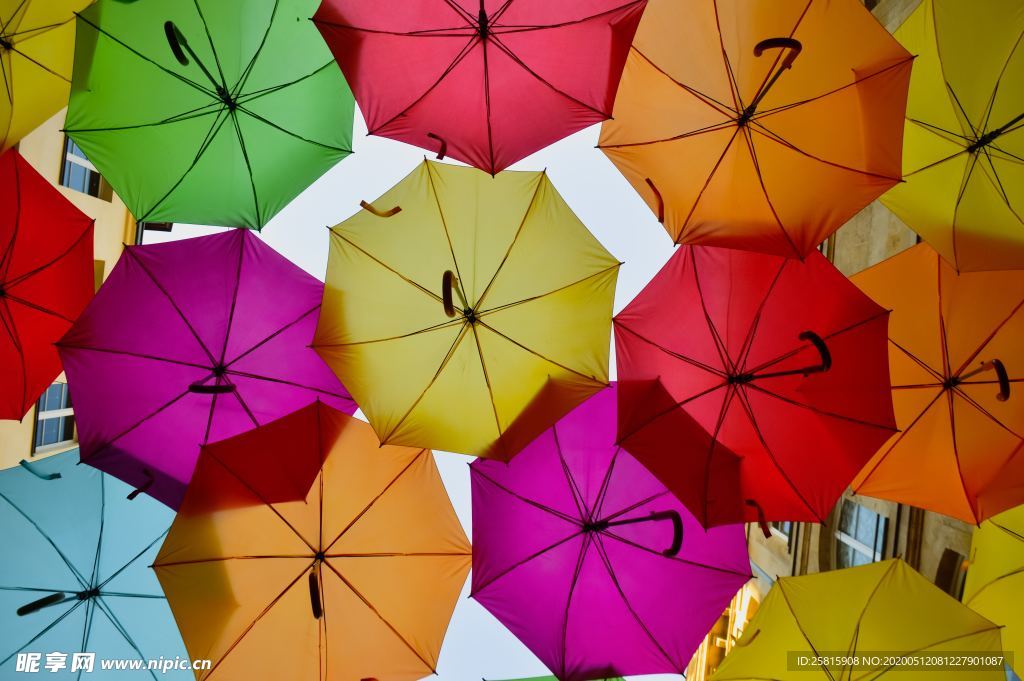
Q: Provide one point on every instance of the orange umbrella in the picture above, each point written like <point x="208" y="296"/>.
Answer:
<point x="956" y="357"/>
<point x="356" y="580"/>
<point x="759" y="124"/>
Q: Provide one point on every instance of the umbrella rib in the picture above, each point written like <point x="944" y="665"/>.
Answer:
<point x="935" y="374"/>
<point x="254" y="95"/>
<point x="490" y="389"/>
<point x="479" y="588"/>
<point x="720" y="346"/>
<point x="128" y="353"/>
<point x="524" y="28"/>
<point x="580" y="560"/>
<point x="487" y="102"/>
<point x="41" y="65"/>
<point x="714" y="127"/>
<point x="602" y="493"/>
<point x="272" y="336"/>
<point x="988" y="339"/>
<point x="1006" y="576"/>
<point x="995" y="628"/>
<point x="444" y="226"/>
<point x="974" y="403"/>
<point x="415" y="554"/>
<point x="997" y="184"/>
<point x="387" y="267"/>
<point x="453" y="32"/>
<point x="39" y="308"/>
<point x="940" y="132"/>
<point x="748" y="137"/>
<point x="10" y="94"/>
<point x="866" y="472"/>
<point x="577" y="496"/>
<point x="366" y="509"/>
<point x="539" y="355"/>
<point x="851" y="649"/>
<point x="765" y="86"/>
<point x="234" y="296"/>
<point x="271" y="379"/>
<point x="243" y="78"/>
<point x="17" y="10"/>
<point x="12" y="331"/>
<point x="968" y="173"/>
<point x="704" y="187"/>
<point x="748" y="342"/>
<point x="191" y="114"/>
<point x="31" y="273"/>
<point x="671" y="353"/>
<point x="956" y="456"/>
<point x="209" y="40"/>
<point x="295" y="135"/>
<point x="675" y="559"/>
<point x="461" y="11"/>
<point x="41" y="29"/>
<point x="800" y="628"/>
<point x="634" y="505"/>
<point x="99" y="535"/>
<point x="435" y="327"/>
<point x="222" y="559"/>
<point x="7" y="257"/>
<point x="109" y="613"/>
<point x="956" y="100"/>
<point x="731" y="391"/>
<point x="78" y="576"/>
<point x="531" y="299"/>
<point x="138" y="555"/>
<point x="43" y="631"/>
<point x="248" y="167"/>
<point x="707" y="99"/>
<point x="999" y="79"/>
<point x="734" y="88"/>
<point x="90" y="614"/>
<point x="98" y="452"/>
<point x="821" y="412"/>
<point x="526" y="500"/>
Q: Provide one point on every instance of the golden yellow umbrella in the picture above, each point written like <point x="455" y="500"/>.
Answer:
<point x="963" y="154"/>
<point x="878" y="621"/>
<point x="37" y="47"/>
<point x="466" y="312"/>
<point x="995" y="578"/>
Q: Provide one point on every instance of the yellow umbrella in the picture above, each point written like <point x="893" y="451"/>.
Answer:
<point x="879" y="621"/>
<point x="963" y="154"/>
<point x="995" y="579"/>
<point x="37" y="47"/>
<point x="466" y="312"/>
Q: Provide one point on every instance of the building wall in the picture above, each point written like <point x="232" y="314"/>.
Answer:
<point x="115" y="226"/>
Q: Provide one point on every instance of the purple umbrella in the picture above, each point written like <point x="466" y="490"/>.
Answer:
<point x="590" y="561"/>
<point x="187" y="343"/>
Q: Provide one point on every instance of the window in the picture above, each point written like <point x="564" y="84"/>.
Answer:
<point x="784" y="528"/>
<point x="861" y="536"/>
<point x="951" y="573"/>
<point x="55" y="421"/>
<point x="79" y="174"/>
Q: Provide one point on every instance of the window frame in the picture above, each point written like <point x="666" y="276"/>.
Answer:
<point x="48" y="414"/>
<point x="873" y="553"/>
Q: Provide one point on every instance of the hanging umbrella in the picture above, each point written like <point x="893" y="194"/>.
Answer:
<point x="956" y="353"/>
<point x="996" y="576"/>
<point x="467" y="313"/>
<point x="880" y="611"/>
<point x="36" y="51"/>
<point x="357" y="580"/>
<point x="590" y="561"/>
<point x="755" y="386"/>
<point x="216" y="112"/>
<point x="46" y="279"/>
<point x="75" y="575"/>
<point x="190" y="342"/>
<point x="964" y="145"/>
<point x="553" y="678"/>
<point x="759" y="124"/>
<point x="487" y="82"/>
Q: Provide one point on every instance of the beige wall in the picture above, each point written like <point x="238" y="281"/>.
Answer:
<point x="115" y="226"/>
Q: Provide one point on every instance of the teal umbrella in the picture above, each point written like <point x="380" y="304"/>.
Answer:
<point x="75" y="575"/>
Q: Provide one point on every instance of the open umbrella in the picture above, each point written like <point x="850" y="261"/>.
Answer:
<point x="357" y="580"/>
<point x="964" y="140"/>
<point x="467" y="313"/>
<point x="190" y="342"/>
<point x="995" y="578"/>
<point x="216" y="112"/>
<point x="890" y="621"/>
<point x="37" y="39"/>
<point x="762" y="125"/>
<point x="754" y="386"/>
<point x="590" y="561"/>
<point x="956" y="355"/>
<point x="552" y="678"/>
<point x="46" y="279"/>
<point x="487" y="82"/>
<point x="75" y="576"/>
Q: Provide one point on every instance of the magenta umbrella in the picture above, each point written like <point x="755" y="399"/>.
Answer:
<point x="191" y="342"/>
<point x="590" y="561"/>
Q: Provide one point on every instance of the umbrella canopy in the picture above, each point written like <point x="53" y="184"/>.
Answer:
<point x="788" y="113"/>
<point x="956" y="354"/>
<point x="190" y="342"/>
<point x="995" y="578"/>
<point x="37" y="39"/>
<point x="487" y="82"/>
<point x="883" y="610"/>
<point x="75" y="575"/>
<point x="46" y="279"/>
<point x="591" y="561"/>
<point x="467" y="313"/>
<point x="754" y="386"/>
<point x="357" y="580"/>
<point x="193" y="113"/>
<point x="552" y="678"/>
<point x="964" y="138"/>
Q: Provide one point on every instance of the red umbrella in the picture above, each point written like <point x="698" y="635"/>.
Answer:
<point x="754" y="386"/>
<point x="486" y="82"/>
<point x="46" y="279"/>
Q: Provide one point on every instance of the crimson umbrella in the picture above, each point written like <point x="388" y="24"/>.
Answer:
<point x="590" y="560"/>
<point x="191" y="342"/>
<point x="46" y="278"/>
<point x="486" y="82"/>
<point x="755" y="386"/>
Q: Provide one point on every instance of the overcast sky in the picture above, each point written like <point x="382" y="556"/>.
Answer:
<point x="477" y="645"/>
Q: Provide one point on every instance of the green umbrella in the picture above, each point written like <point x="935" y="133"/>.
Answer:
<point x="214" y="112"/>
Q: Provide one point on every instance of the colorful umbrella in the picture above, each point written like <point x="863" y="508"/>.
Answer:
<point x="552" y="678"/>
<point x="36" y="51"/>
<point x="190" y="342"/>
<point x="995" y="577"/>
<point x="787" y="113"/>
<point x="956" y="351"/>
<point x="467" y="313"/>
<point x="75" y="575"/>
<point x="964" y="148"/>
<point x="885" y="616"/>
<point x="46" y="279"/>
<point x="754" y="386"/>
<point x="590" y="561"/>
<point x="216" y="112"/>
<point x="357" y="580"/>
<point x="487" y="82"/>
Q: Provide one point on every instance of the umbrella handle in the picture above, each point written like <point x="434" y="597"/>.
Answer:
<point x="42" y="476"/>
<point x="380" y="213"/>
<point x="819" y="344"/>
<point x="1004" y="379"/>
<point x="677" y="528"/>
<point x="144" y="486"/>
<point x="44" y="602"/>
<point x="762" y="519"/>
<point x="747" y="641"/>
<point x="444" y="146"/>
<point x="176" y="39"/>
<point x="793" y="45"/>
<point x="214" y="389"/>
<point x="661" y="201"/>
<point x="314" y="592"/>
<point x="447" y="284"/>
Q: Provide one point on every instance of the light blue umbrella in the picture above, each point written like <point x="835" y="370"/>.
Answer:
<point x="75" y="575"/>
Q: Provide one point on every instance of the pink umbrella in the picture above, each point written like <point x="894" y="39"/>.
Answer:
<point x="591" y="561"/>
<point x="191" y="342"/>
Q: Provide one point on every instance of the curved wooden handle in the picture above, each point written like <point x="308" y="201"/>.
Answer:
<point x="43" y="602"/>
<point x="175" y="39"/>
<point x="1004" y="379"/>
<point x="144" y="487"/>
<point x="448" y="283"/>
<point x="380" y="213"/>
<point x="444" y="146"/>
<point x="794" y="46"/>
<point x="819" y="344"/>
<point x="661" y="201"/>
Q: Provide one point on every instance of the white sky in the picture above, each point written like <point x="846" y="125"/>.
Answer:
<point x="477" y="645"/>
